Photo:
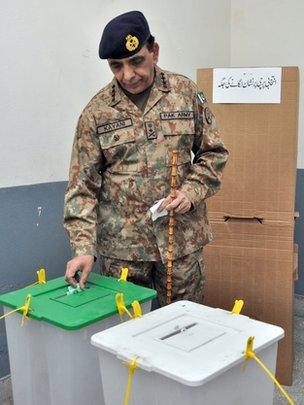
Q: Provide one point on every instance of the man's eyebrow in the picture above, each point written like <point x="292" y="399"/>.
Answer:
<point x="137" y="58"/>
<point x="134" y="59"/>
<point x="114" y="62"/>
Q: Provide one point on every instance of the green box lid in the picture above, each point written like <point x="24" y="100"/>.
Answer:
<point x="50" y="302"/>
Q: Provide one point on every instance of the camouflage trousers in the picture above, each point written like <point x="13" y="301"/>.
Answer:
<point x="188" y="276"/>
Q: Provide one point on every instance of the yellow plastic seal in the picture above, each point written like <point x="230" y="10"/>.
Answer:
<point x="238" y="306"/>
<point x="121" y="307"/>
<point x="132" y="367"/>
<point x="136" y="309"/>
<point x="123" y="274"/>
<point x="24" y="309"/>
<point x="249" y="348"/>
<point x="249" y="354"/>
<point x="41" y="276"/>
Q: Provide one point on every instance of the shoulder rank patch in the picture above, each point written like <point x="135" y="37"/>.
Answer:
<point x="112" y="126"/>
<point x="201" y="97"/>
<point x="208" y="115"/>
<point x="177" y="115"/>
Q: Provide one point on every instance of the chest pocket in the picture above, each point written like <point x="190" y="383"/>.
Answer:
<point x="179" y="135"/>
<point x="120" y="150"/>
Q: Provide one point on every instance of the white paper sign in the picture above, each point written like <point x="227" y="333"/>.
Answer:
<point x="247" y="85"/>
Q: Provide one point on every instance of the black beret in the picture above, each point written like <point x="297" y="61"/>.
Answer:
<point x="124" y="36"/>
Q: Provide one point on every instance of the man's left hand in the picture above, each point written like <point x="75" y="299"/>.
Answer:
<point x="180" y="204"/>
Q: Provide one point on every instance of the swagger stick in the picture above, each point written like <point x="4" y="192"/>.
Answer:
<point x="171" y="227"/>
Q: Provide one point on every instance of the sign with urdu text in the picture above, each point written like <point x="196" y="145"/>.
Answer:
<point x="247" y="85"/>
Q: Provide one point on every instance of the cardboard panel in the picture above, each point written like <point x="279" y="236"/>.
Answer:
<point x="262" y="276"/>
<point x="268" y="235"/>
<point x="264" y="279"/>
<point x="262" y="140"/>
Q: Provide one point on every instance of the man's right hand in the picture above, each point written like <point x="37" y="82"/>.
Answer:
<point x="82" y="263"/>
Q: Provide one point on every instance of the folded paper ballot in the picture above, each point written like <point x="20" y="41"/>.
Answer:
<point x="154" y="213"/>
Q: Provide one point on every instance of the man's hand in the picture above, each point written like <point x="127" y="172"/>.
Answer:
<point x="82" y="263"/>
<point x="181" y="203"/>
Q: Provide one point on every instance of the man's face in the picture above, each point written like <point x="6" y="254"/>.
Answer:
<point x="136" y="74"/>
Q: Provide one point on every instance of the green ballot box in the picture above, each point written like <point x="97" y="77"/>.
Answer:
<point x="52" y="361"/>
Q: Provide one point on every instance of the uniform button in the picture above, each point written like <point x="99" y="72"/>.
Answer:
<point x="116" y="137"/>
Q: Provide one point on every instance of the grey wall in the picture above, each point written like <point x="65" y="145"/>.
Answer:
<point x="299" y="232"/>
<point x="30" y="238"/>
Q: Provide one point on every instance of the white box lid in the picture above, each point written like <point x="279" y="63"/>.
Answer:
<point x="187" y="342"/>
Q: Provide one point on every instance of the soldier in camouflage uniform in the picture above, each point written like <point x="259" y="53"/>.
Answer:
<point x="120" y="167"/>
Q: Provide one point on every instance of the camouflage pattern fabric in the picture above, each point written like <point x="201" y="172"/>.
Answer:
<point x="120" y="167"/>
<point x="188" y="281"/>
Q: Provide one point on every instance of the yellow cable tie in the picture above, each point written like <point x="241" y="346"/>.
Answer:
<point x="132" y="367"/>
<point x="249" y="348"/>
<point x="249" y="353"/>
<point x="123" y="274"/>
<point x="237" y="308"/>
<point x="10" y="312"/>
<point x="31" y="285"/>
<point x="136" y="309"/>
<point x="121" y="307"/>
<point x="41" y="276"/>
<point x="25" y="309"/>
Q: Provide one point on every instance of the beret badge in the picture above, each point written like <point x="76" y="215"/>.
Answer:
<point x="132" y="43"/>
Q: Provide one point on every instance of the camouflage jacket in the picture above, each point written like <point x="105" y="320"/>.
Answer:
<point x="120" y="167"/>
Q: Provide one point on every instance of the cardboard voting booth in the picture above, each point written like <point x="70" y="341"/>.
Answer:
<point x="253" y="255"/>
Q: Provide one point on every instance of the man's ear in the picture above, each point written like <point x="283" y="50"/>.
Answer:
<point x="155" y="52"/>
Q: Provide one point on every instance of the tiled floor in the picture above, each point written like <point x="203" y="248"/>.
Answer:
<point x="6" y="392"/>
<point x="296" y="391"/>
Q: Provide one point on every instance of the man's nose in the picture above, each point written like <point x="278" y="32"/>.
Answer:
<point x="128" y="73"/>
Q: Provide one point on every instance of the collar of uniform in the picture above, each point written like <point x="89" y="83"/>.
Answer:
<point x="161" y="80"/>
<point x="114" y="92"/>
